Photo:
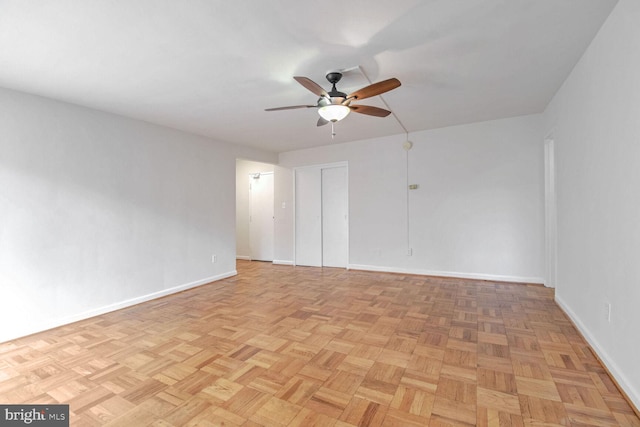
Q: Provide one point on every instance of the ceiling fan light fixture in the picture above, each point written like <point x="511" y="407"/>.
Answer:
<point x="334" y="112"/>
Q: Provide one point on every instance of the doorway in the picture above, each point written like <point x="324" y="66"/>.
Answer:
<point x="322" y="216"/>
<point x="261" y="216"/>
<point x="245" y="171"/>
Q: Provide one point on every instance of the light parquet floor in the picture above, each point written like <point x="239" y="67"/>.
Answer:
<point x="285" y="346"/>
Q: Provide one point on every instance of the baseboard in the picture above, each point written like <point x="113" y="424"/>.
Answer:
<point x="632" y="395"/>
<point x="275" y="261"/>
<point x="475" y="276"/>
<point x="116" y="306"/>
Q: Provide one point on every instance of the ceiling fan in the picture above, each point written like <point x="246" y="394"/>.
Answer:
<point x="334" y="105"/>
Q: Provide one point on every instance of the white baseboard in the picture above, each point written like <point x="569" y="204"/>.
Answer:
<point x="55" y="323"/>
<point x="611" y="366"/>
<point x="275" y="261"/>
<point x="476" y="276"/>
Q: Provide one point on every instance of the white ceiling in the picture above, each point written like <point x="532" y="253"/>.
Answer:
<point x="211" y="67"/>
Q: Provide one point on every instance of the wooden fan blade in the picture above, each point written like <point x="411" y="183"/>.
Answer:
<point x="292" y="107"/>
<point x="370" y="110"/>
<point x="312" y="86"/>
<point x="322" y="122"/>
<point x="375" y="89"/>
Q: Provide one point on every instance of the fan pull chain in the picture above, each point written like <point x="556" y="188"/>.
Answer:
<point x="333" y="132"/>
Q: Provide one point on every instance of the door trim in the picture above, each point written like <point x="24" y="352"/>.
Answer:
<point x="550" y="214"/>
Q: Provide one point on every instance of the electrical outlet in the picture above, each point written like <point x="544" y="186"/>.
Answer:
<point x="214" y="258"/>
<point x="410" y="252"/>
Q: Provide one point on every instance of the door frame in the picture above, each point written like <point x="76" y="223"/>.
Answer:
<point x="320" y="166"/>
<point x="550" y="214"/>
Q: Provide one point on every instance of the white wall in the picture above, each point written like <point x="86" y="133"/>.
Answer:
<point x="98" y="211"/>
<point x="595" y="122"/>
<point x="243" y="195"/>
<point x="283" y="211"/>
<point x="478" y="211"/>
<point x="377" y="196"/>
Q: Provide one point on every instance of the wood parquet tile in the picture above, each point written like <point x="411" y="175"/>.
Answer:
<point x="285" y="346"/>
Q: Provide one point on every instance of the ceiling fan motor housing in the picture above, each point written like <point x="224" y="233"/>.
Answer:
<point x="334" y="77"/>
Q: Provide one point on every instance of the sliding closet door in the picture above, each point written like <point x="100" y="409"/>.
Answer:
<point x="335" y="229"/>
<point x="308" y="219"/>
<point x="322" y="221"/>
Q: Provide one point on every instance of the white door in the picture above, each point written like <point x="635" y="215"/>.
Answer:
<point x="322" y="231"/>
<point x="308" y="194"/>
<point x="335" y="229"/>
<point x="261" y="217"/>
